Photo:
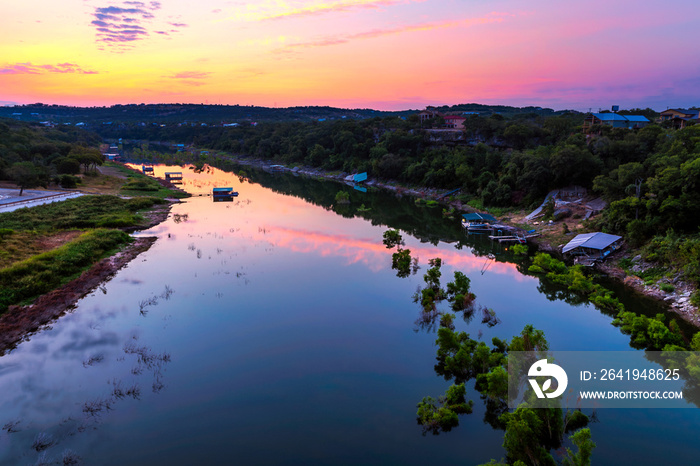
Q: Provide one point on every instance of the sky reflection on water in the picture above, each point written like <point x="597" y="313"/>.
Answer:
<point x="287" y="339"/>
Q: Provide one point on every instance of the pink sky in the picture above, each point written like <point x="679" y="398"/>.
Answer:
<point x="383" y="54"/>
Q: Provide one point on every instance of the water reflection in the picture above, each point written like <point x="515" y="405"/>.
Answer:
<point x="68" y="379"/>
<point x="287" y="338"/>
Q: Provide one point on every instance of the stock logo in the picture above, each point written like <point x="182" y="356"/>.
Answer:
<point x="542" y="368"/>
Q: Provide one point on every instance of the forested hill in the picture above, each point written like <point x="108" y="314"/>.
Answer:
<point x="649" y="176"/>
<point x="32" y="155"/>
<point x="218" y="114"/>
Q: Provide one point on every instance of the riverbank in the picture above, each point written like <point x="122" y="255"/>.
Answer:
<point x="38" y="240"/>
<point x="552" y="237"/>
<point x="18" y="323"/>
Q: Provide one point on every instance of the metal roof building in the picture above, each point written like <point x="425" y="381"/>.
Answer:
<point x="475" y="217"/>
<point x="616" y="121"/>
<point x="592" y="243"/>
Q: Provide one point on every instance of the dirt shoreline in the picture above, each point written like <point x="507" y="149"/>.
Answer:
<point x="19" y="323"/>
<point x="678" y="302"/>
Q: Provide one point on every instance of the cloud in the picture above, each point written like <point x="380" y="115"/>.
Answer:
<point x="374" y="33"/>
<point x="283" y="10"/>
<point x="28" y="68"/>
<point x="118" y="27"/>
<point x="191" y="78"/>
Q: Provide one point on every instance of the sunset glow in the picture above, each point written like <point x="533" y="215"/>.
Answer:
<point x="382" y="54"/>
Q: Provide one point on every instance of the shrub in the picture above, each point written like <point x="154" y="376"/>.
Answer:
<point x="667" y="288"/>
<point x="118" y="220"/>
<point x="141" y="203"/>
<point x="695" y="299"/>
<point x="68" y="181"/>
<point x="392" y="238"/>
<point x="519" y="249"/>
<point x="141" y="185"/>
<point x="342" y="197"/>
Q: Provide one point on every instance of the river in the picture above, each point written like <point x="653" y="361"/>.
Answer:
<point x="273" y="330"/>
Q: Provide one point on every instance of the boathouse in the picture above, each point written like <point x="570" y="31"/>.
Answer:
<point x="596" y="245"/>
<point x="478" y="222"/>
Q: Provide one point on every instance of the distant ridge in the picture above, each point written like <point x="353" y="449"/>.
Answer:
<point x="213" y="114"/>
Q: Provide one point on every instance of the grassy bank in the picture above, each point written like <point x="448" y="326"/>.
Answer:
<point x="81" y="212"/>
<point x="139" y="184"/>
<point x="46" y="246"/>
<point x="30" y="278"/>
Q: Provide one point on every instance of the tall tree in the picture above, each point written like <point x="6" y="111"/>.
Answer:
<point x="27" y="175"/>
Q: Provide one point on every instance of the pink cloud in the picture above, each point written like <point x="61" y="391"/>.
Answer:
<point x="324" y="42"/>
<point x="120" y="26"/>
<point x="337" y="7"/>
<point x="191" y="78"/>
<point x="28" y="68"/>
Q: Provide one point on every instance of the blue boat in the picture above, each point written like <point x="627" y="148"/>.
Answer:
<point x="223" y="194"/>
<point x="478" y="222"/>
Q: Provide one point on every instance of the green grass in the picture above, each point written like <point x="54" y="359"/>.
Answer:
<point x="30" y="278"/>
<point x="652" y="274"/>
<point x="142" y="185"/>
<point x="18" y="246"/>
<point x="626" y="264"/>
<point x="80" y="213"/>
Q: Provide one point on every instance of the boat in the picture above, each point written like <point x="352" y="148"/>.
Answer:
<point x="223" y="194"/>
<point x="478" y="222"/>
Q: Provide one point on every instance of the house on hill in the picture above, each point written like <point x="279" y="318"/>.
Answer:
<point x="680" y="117"/>
<point x="451" y="121"/>
<point x="454" y="121"/>
<point x="593" y="245"/>
<point x="428" y="114"/>
<point x="615" y="120"/>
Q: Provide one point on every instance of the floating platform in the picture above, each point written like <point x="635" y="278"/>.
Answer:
<point x="173" y="176"/>
<point x="513" y="238"/>
<point x="223" y="194"/>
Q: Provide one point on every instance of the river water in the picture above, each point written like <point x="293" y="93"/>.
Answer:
<point x="272" y="330"/>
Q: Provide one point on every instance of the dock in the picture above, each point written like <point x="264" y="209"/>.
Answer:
<point x="513" y="238"/>
<point x="173" y="176"/>
<point x="510" y="234"/>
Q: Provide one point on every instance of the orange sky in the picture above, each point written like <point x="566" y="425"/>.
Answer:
<point x="383" y="54"/>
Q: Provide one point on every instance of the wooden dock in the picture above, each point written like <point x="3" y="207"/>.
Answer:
<point x="173" y="176"/>
<point x="508" y="234"/>
<point x="513" y="238"/>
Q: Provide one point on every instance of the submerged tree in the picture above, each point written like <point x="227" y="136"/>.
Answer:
<point x="392" y="238"/>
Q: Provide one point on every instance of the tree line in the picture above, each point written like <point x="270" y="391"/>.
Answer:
<point x="32" y="155"/>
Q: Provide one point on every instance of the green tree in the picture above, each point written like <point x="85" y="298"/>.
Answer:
<point x="392" y="238"/>
<point x="87" y="157"/>
<point x="27" y="175"/>
<point x="582" y="440"/>
<point x="523" y="437"/>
